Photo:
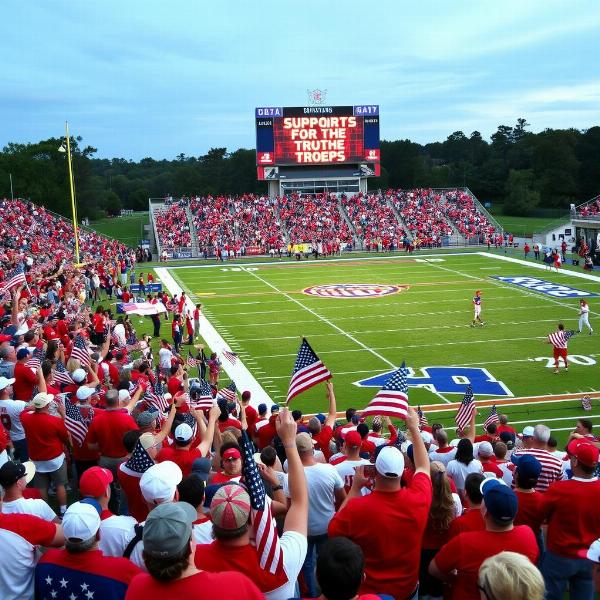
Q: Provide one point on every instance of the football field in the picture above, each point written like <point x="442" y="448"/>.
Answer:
<point x="364" y="317"/>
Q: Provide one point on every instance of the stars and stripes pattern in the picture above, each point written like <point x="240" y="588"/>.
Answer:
<point x="492" y="418"/>
<point x="203" y="399"/>
<point x="230" y="356"/>
<point x="229" y="393"/>
<point x="392" y="399"/>
<point x="61" y="375"/>
<point x="80" y="352"/>
<point x="263" y="524"/>
<point x="191" y="361"/>
<point x="132" y="344"/>
<point x="465" y="411"/>
<point x="560" y="338"/>
<point x="586" y="403"/>
<point x="14" y="278"/>
<point x="75" y="423"/>
<point x="155" y="397"/>
<point x="140" y="461"/>
<point x="35" y="361"/>
<point x="422" y="418"/>
<point x="308" y="371"/>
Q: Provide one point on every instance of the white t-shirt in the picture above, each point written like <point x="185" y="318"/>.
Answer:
<point x="293" y="548"/>
<point x="459" y="471"/>
<point x="346" y="470"/>
<point x="115" y="533"/>
<point x="119" y="332"/>
<point x="49" y="466"/>
<point x="164" y="358"/>
<point x="29" y="506"/>
<point x="17" y="564"/>
<point x="203" y="533"/>
<point x="443" y="457"/>
<point x="10" y="416"/>
<point x="321" y="480"/>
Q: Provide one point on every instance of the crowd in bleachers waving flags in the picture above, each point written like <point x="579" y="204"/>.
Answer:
<point x="465" y="410"/>
<point x="308" y="371"/>
<point x="60" y="375"/>
<point x="36" y="359"/>
<point x="13" y="279"/>
<point x="392" y="399"/>
<point x="75" y="423"/>
<point x="201" y="395"/>
<point x="492" y="417"/>
<point x="229" y="393"/>
<point x="80" y="351"/>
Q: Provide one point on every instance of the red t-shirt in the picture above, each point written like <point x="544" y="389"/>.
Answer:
<point x="182" y="457"/>
<point x="225" y="586"/>
<point x="573" y="518"/>
<point x="266" y="433"/>
<point x="136" y="505"/>
<point x="491" y="467"/>
<point x="467" y="551"/>
<point x="251" y="418"/>
<point x="222" y="477"/>
<point x="46" y="435"/>
<point x="98" y="322"/>
<point x="472" y="520"/>
<point x="25" y="379"/>
<point x="231" y="422"/>
<point x="530" y="510"/>
<point x="388" y="526"/>
<point x="174" y="385"/>
<point x="31" y="528"/>
<point x="323" y="438"/>
<point x="107" y="430"/>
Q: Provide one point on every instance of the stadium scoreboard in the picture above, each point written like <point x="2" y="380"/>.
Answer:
<point x="317" y="135"/>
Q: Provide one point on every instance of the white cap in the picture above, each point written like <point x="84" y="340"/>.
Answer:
<point x="426" y="437"/>
<point x="78" y="375"/>
<point x="183" y="432"/>
<point x="527" y="431"/>
<point x="84" y="392"/>
<point x="124" y="395"/>
<point x="485" y="449"/>
<point x="390" y="462"/>
<point x="81" y="521"/>
<point x="593" y="552"/>
<point x="42" y="399"/>
<point x="159" y="482"/>
<point x="167" y="396"/>
<point x="4" y="382"/>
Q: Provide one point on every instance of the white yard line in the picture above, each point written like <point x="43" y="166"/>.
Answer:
<point x="244" y="380"/>
<point x="324" y="320"/>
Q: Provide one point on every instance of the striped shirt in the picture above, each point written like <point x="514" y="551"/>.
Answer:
<point x="558" y="339"/>
<point x="551" y="466"/>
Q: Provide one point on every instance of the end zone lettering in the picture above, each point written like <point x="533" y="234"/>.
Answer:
<point x="545" y="287"/>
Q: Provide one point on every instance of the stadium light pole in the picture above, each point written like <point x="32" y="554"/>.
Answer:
<point x="67" y="150"/>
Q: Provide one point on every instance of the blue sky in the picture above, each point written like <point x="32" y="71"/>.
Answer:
<point x="152" y="78"/>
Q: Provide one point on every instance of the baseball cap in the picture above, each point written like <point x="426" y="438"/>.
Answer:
<point x="485" y="449"/>
<point x="274" y="408"/>
<point x="124" y="395"/>
<point x="304" y="443"/>
<point x="42" y="399"/>
<point x="81" y="521"/>
<point x="528" y="465"/>
<point x="22" y="353"/>
<point x="231" y="454"/>
<point x="84" y="392"/>
<point x="262" y="408"/>
<point x="353" y="439"/>
<point x="201" y="468"/>
<point x="93" y="482"/>
<point x="145" y="419"/>
<point x="78" y="375"/>
<point x="4" y="382"/>
<point x="527" y="432"/>
<point x="593" y="552"/>
<point x="230" y="507"/>
<point x="147" y="440"/>
<point x="159" y="482"/>
<point x="500" y="501"/>
<point x="168" y="529"/>
<point x="585" y="453"/>
<point x="389" y="462"/>
<point x="12" y="471"/>
<point x="322" y="418"/>
<point x="426" y="437"/>
<point x="183" y="433"/>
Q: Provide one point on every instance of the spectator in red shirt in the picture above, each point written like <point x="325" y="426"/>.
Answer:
<point x="389" y="513"/>
<point x="471" y="519"/>
<point x="530" y="501"/>
<point x="46" y="438"/>
<point x="267" y="432"/>
<point x="464" y="553"/>
<point x="485" y="453"/>
<point x="176" y="380"/>
<point x="504" y="426"/>
<point x="251" y="414"/>
<point x="573" y="524"/>
<point x="25" y="377"/>
<point x="322" y="432"/>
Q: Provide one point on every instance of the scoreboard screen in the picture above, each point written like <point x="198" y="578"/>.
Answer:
<point x="317" y="135"/>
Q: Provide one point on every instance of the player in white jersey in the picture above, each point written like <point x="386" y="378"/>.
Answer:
<point x="477" y="309"/>
<point x="584" y="316"/>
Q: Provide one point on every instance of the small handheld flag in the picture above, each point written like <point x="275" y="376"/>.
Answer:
<point x="230" y="356"/>
<point x="14" y="278"/>
<point x="392" y="399"/>
<point x="202" y="399"/>
<point x="492" y="418"/>
<point x="586" y="403"/>
<point x="191" y="361"/>
<point x="422" y="418"/>
<point x="308" y="371"/>
<point x="80" y="352"/>
<point x="74" y="422"/>
<point x="465" y="411"/>
<point x="35" y="362"/>
<point x="229" y="392"/>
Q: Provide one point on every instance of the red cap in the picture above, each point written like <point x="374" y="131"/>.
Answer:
<point x="353" y="439"/>
<point x="93" y="482"/>
<point x="5" y="338"/>
<point x="231" y="454"/>
<point x="585" y="452"/>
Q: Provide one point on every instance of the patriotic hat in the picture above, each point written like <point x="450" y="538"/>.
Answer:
<point x="587" y="454"/>
<point x="230" y="507"/>
<point x="94" y="481"/>
<point x="168" y="529"/>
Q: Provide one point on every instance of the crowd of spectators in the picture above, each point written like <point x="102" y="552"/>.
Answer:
<point x="591" y="209"/>
<point x="140" y="493"/>
<point x="172" y="226"/>
<point x="471" y="223"/>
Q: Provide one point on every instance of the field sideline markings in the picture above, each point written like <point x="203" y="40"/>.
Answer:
<point x="326" y="321"/>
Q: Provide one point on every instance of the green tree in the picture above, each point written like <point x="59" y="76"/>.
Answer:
<point x="521" y="197"/>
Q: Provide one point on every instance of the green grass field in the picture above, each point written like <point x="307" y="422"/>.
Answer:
<point x="524" y="226"/>
<point x="262" y="312"/>
<point x="128" y="230"/>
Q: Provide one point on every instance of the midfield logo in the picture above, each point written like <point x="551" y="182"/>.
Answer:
<point x="446" y="380"/>
<point x="353" y="290"/>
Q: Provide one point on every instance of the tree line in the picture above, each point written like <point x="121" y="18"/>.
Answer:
<point x="522" y="170"/>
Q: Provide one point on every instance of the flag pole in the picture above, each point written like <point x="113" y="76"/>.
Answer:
<point x="72" y="186"/>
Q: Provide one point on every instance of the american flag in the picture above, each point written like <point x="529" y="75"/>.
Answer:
<point x="560" y="338"/>
<point x="422" y="418"/>
<point x="191" y="361"/>
<point x="392" y="399"/>
<point x="465" y="411"/>
<point x="14" y="278"/>
<point x="229" y="392"/>
<point x="492" y="417"/>
<point x="61" y="375"/>
<point x="230" y="356"/>
<point x="132" y="343"/>
<point x="35" y="361"/>
<point x="74" y="422"/>
<point x="263" y="524"/>
<point x="140" y="460"/>
<point x="79" y="351"/>
<point x="308" y="371"/>
<point x="586" y="403"/>
<point x="204" y="399"/>
<point x="155" y="397"/>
